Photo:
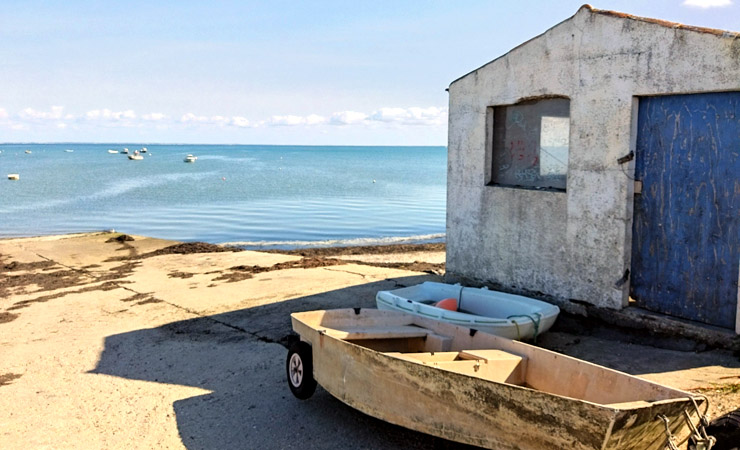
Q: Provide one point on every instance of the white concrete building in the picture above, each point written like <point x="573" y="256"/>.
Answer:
<point x="593" y="150"/>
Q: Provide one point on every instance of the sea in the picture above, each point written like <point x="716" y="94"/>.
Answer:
<point x="252" y="196"/>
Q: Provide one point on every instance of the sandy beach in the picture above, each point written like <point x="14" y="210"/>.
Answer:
<point x="114" y="341"/>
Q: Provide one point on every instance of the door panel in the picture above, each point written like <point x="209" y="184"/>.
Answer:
<point x="685" y="252"/>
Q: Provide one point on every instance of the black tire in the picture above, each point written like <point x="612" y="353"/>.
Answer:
<point x="727" y="431"/>
<point x="299" y="368"/>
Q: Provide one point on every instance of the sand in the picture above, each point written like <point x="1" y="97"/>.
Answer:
<point x="111" y="342"/>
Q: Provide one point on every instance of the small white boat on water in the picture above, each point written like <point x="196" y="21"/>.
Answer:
<point x="136" y="156"/>
<point x="190" y="159"/>
<point x="69" y="150"/>
<point x="480" y="389"/>
<point x="14" y="176"/>
<point x="144" y="150"/>
<point x="499" y="313"/>
<point x="124" y="151"/>
<point x="28" y="151"/>
<point x="112" y="151"/>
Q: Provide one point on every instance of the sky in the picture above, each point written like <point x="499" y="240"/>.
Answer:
<point x="266" y="72"/>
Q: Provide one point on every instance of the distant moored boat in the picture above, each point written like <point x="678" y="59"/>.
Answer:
<point x="190" y="158"/>
<point x="136" y="156"/>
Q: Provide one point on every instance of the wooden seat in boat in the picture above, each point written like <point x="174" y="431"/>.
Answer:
<point x="431" y="341"/>
<point x="352" y="333"/>
<point x="494" y="365"/>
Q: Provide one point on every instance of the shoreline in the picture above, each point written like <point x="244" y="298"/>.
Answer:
<point x="405" y="244"/>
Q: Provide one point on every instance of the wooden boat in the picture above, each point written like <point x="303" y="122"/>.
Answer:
<point x="499" y="313"/>
<point x="477" y="388"/>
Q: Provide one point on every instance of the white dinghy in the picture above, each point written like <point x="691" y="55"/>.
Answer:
<point x="499" y="313"/>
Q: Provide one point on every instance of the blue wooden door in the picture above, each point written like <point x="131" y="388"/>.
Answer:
<point x="686" y="229"/>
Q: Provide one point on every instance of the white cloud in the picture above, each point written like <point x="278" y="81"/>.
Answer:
<point x="56" y="117"/>
<point x="191" y="118"/>
<point x="239" y="121"/>
<point x="707" y="3"/>
<point x="107" y="114"/>
<point x="32" y="114"/>
<point x="388" y="114"/>
<point x="411" y="116"/>
<point x="347" y="118"/>
<point x="220" y="120"/>
<point x="314" y="119"/>
<point x="155" y="117"/>
<point x="288" y="121"/>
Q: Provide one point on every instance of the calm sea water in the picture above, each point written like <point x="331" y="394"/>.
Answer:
<point x="255" y="196"/>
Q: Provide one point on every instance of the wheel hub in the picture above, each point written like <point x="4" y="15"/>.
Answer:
<point x="296" y="370"/>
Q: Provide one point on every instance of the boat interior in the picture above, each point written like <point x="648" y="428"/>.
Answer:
<point x="464" y="351"/>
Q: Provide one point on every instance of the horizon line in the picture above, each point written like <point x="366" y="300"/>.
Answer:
<point x="231" y="144"/>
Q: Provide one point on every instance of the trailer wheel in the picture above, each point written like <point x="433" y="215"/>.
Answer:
<point x="727" y="431"/>
<point x="299" y="367"/>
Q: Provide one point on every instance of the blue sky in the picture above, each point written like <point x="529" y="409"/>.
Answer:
<point x="267" y="72"/>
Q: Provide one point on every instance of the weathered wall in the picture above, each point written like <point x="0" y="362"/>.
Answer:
<point x="574" y="244"/>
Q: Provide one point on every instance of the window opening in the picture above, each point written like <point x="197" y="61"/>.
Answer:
<point x="531" y="143"/>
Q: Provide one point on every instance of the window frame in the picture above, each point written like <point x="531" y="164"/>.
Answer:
<point x="492" y="138"/>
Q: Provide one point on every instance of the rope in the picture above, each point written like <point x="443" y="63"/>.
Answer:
<point x="698" y="433"/>
<point x="535" y="321"/>
<point x="670" y="442"/>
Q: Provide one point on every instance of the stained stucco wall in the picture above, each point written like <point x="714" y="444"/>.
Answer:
<point x="574" y="244"/>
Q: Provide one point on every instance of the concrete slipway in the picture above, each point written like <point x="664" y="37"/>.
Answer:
<point x="122" y="345"/>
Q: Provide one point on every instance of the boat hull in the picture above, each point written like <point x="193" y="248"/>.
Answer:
<point x="463" y="407"/>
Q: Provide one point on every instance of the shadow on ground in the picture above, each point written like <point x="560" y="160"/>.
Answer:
<point x="234" y="356"/>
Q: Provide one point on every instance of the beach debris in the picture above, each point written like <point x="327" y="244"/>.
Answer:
<point x="120" y="238"/>
<point x="14" y="176"/>
<point x="187" y="248"/>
